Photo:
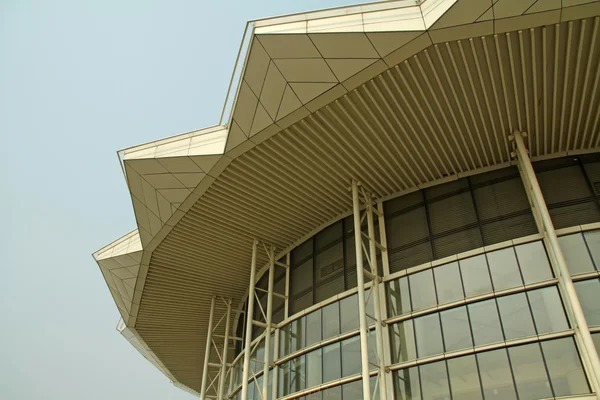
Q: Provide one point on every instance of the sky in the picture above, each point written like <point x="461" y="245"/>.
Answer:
<point x="78" y="81"/>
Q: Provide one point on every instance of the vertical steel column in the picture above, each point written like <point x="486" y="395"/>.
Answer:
<point x="275" y="367"/>
<point x="220" y="394"/>
<point x="286" y="311"/>
<point x="362" y="312"/>
<point x="582" y="331"/>
<point x="249" y="318"/>
<point x="385" y="259"/>
<point x="376" y="298"/>
<point x="208" y="347"/>
<point x="269" y="319"/>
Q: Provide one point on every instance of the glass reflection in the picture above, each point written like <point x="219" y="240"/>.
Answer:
<point x="456" y="328"/>
<point x="504" y="269"/>
<point x="434" y="381"/>
<point x="399" y="296"/>
<point x="348" y="313"/>
<point x="529" y="372"/>
<point x="475" y="276"/>
<point x="422" y="290"/>
<point x="403" y="342"/>
<point x="576" y="254"/>
<point x="496" y="377"/>
<point x="448" y="284"/>
<point x="516" y="316"/>
<point x="564" y="367"/>
<point x="587" y="292"/>
<point x="548" y="312"/>
<point x="407" y="384"/>
<point x="485" y="322"/>
<point x="464" y="378"/>
<point x="331" y="320"/>
<point x="429" y="335"/>
<point x="533" y="261"/>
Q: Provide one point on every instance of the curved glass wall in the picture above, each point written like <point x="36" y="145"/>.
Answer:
<point x="450" y="322"/>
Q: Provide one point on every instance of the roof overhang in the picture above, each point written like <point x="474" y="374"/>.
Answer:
<point x="396" y="94"/>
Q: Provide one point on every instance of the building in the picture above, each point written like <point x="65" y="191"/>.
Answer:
<point x="457" y="140"/>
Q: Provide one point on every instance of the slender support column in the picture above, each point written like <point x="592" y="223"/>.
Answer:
<point x="265" y="382"/>
<point x="286" y="310"/>
<point x="249" y="318"/>
<point x="362" y="312"/>
<point x="221" y="393"/>
<point x="540" y="211"/>
<point x="275" y="367"/>
<point x="208" y="347"/>
<point x="376" y="300"/>
<point x="385" y="259"/>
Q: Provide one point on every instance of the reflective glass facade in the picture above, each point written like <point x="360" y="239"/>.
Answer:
<point x="472" y="305"/>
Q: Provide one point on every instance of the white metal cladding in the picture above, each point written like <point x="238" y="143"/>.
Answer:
<point x="437" y="107"/>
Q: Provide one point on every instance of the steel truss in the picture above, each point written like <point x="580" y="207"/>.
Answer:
<point x="216" y="368"/>
<point x="268" y="325"/>
<point x="366" y="246"/>
<point x="545" y="226"/>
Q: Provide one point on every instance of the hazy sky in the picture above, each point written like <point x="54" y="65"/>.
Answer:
<point x="78" y="81"/>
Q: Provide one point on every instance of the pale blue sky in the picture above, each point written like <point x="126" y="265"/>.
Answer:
<point x="78" y="81"/>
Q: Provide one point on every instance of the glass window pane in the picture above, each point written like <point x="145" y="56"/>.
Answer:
<point x="372" y="349"/>
<point x="257" y="388"/>
<point x="272" y="395"/>
<point x="475" y="276"/>
<point x="548" y="311"/>
<point x="331" y="320"/>
<point x="592" y="239"/>
<point x="251" y="390"/>
<point x="403" y="342"/>
<point x="485" y="322"/>
<point x="516" y="316"/>
<point x="504" y="269"/>
<point x="576" y="254"/>
<point x="352" y="390"/>
<point x="349" y="313"/>
<point x="422" y="290"/>
<point x="398" y="296"/>
<point x="434" y="381"/>
<point x="407" y="384"/>
<point x="297" y="333"/>
<point x="257" y="354"/>
<point x="596" y="339"/>
<point x="564" y="367"/>
<point x="331" y="362"/>
<point x="533" y="261"/>
<point x="284" y="341"/>
<point x="351" y="359"/>
<point x="313" y="368"/>
<point x="529" y="372"/>
<point x="464" y="378"/>
<point x="284" y="379"/>
<point x="448" y="284"/>
<point x="589" y="295"/>
<point x="496" y="377"/>
<point x="429" y="335"/>
<point x="334" y="393"/>
<point x="456" y="328"/>
<point x="313" y="327"/>
<point x="297" y="374"/>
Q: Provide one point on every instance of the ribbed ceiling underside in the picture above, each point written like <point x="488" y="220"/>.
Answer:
<point x="444" y="112"/>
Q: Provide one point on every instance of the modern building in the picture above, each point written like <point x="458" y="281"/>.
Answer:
<point x="401" y="201"/>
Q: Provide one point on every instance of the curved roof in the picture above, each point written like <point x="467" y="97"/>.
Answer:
<point x="398" y="95"/>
